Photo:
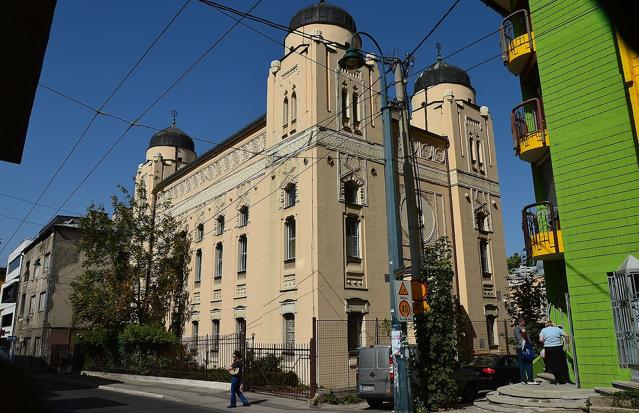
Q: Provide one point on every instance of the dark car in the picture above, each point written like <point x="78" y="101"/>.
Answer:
<point x="495" y="370"/>
<point x="375" y="375"/>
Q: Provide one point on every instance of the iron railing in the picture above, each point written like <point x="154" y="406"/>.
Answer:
<point x="540" y="223"/>
<point x="527" y="118"/>
<point x="513" y="27"/>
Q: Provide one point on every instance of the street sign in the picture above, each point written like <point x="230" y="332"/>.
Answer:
<point x="403" y="301"/>
<point x="11" y="339"/>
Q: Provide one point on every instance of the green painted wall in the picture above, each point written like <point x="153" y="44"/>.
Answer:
<point x="595" y="166"/>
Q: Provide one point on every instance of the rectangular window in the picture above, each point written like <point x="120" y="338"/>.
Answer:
<point x="200" y="232"/>
<point x="219" y="253"/>
<point x="215" y="333"/>
<point x="27" y="268"/>
<point x="195" y="331"/>
<point x="244" y="216"/>
<point x="14" y="265"/>
<point x="242" y="248"/>
<point x="23" y="303"/>
<point x="26" y="348"/>
<point x="485" y="257"/>
<point x="490" y="330"/>
<point x="37" y="269"/>
<point x="7" y="320"/>
<point x="42" y="302"/>
<point x="289" y="239"/>
<point x="198" y="267"/>
<point x="47" y="258"/>
<point x="352" y="238"/>
<point x="37" y="348"/>
<point x="32" y="304"/>
<point x="10" y="293"/>
<point x="289" y="330"/>
<point x="240" y="327"/>
<point x="354" y="331"/>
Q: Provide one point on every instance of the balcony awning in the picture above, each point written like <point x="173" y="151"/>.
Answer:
<point x="631" y="264"/>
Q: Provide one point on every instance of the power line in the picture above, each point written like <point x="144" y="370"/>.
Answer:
<point x="20" y="219"/>
<point x="31" y="202"/>
<point x="439" y="22"/>
<point x="94" y="117"/>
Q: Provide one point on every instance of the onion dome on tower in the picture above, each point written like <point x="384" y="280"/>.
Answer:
<point x="174" y="137"/>
<point x="442" y="72"/>
<point x="323" y="13"/>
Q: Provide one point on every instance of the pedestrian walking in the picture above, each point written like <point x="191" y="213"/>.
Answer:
<point x="553" y="339"/>
<point x="525" y="353"/>
<point x="236" y="369"/>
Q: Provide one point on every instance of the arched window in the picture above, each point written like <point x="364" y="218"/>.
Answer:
<point x="482" y="220"/>
<point x="285" y="112"/>
<point x="200" y="232"/>
<point x="345" y="111"/>
<point x="293" y="107"/>
<point x="352" y="238"/>
<point x="290" y="195"/>
<point x="351" y="192"/>
<point x="244" y="216"/>
<point x="289" y="239"/>
<point x="355" y="109"/>
<point x="220" y="225"/>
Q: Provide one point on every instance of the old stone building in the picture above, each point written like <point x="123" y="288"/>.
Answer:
<point x="43" y="311"/>
<point x="288" y="214"/>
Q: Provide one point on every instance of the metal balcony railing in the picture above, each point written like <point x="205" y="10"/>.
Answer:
<point x="527" y="120"/>
<point x="540" y="224"/>
<point x="516" y="38"/>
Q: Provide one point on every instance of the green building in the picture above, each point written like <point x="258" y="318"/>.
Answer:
<point x="577" y="127"/>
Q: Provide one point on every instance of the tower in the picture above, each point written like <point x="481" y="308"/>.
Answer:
<point x="444" y="102"/>
<point x="169" y="150"/>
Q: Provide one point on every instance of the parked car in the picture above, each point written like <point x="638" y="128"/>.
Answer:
<point x="495" y="370"/>
<point x="375" y="376"/>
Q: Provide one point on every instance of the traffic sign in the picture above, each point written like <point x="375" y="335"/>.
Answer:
<point x="403" y="301"/>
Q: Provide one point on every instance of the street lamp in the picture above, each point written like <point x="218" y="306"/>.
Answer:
<point x="354" y="59"/>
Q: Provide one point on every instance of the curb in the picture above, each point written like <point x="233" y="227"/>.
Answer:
<point x="137" y="392"/>
<point x="214" y="385"/>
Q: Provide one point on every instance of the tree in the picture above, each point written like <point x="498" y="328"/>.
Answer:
<point x="136" y="267"/>
<point x="526" y="298"/>
<point x="436" y="340"/>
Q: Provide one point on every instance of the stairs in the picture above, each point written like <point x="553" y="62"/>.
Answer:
<point x="546" y="397"/>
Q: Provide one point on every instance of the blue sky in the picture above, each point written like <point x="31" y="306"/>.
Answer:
<point x="93" y="44"/>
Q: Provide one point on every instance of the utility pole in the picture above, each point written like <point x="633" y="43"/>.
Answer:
<point x="353" y="59"/>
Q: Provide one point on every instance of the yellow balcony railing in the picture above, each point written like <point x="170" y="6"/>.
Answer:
<point x="530" y="135"/>
<point x="542" y="231"/>
<point x="517" y="41"/>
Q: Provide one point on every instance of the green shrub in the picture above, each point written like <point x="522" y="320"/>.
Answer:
<point x="340" y="397"/>
<point x="145" y="336"/>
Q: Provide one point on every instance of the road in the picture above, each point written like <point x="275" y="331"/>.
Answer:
<point x="63" y="394"/>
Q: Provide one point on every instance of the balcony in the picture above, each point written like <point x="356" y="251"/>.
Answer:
<point x="517" y="41"/>
<point x="530" y="135"/>
<point x="542" y="231"/>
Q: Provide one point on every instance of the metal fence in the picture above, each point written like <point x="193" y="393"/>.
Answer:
<point x="284" y="370"/>
<point x="212" y="352"/>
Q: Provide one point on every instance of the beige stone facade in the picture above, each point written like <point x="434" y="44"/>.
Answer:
<point x="288" y="215"/>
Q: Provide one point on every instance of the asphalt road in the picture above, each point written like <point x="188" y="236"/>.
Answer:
<point x="62" y="394"/>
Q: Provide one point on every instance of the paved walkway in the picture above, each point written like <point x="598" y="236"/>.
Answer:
<point x="219" y="399"/>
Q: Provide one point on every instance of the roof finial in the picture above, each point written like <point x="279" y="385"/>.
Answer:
<point x="173" y="115"/>
<point x="439" y="51"/>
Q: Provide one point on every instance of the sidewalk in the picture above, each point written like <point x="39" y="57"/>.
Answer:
<point x="219" y="399"/>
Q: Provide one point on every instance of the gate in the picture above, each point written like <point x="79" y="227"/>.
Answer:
<point x="281" y="369"/>
<point x="624" y="297"/>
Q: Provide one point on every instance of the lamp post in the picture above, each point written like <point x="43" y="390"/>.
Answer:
<point x="353" y="59"/>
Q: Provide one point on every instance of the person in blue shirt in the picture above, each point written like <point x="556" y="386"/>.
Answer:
<point x="553" y="339"/>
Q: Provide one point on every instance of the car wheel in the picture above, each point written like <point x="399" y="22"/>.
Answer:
<point x="469" y="393"/>
<point x="375" y="404"/>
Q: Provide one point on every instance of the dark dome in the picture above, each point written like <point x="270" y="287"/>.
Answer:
<point x="442" y="72"/>
<point x="172" y="136"/>
<point x="323" y="13"/>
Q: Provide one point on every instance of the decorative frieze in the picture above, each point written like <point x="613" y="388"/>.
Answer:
<point x="461" y="178"/>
